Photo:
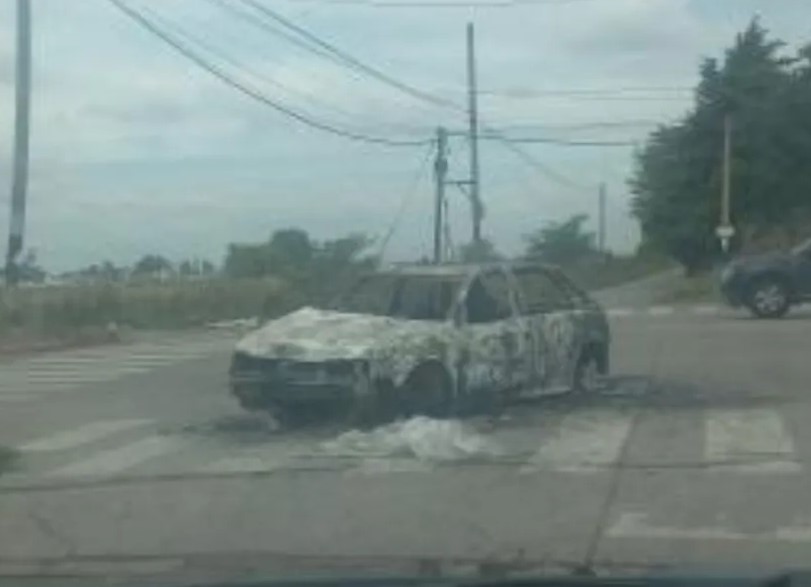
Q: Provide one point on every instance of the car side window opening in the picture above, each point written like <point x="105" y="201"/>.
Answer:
<point x="488" y="299"/>
<point x="423" y="298"/>
<point x="541" y="293"/>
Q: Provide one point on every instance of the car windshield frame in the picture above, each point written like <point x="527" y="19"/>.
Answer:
<point x="391" y="289"/>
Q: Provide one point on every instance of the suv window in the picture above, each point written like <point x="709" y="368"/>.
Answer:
<point x="541" y="293"/>
<point x="488" y="299"/>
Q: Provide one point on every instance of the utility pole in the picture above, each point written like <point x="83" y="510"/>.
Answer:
<point x="601" y="219"/>
<point x="725" y="230"/>
<point x="440" y="176"/>
<point x="475" y="185"/>
<point x="19" y="182"/>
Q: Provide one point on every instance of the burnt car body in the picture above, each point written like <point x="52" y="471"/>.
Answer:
<point x="432" y="340"/>
<point x="769" y="284"/>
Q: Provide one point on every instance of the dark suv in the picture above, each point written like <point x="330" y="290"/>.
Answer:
<point x="769" y="284"/>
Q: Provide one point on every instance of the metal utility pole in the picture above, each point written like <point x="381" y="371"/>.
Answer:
<point x="601" y="219"/>
<point x="725" y="230"/>
<point x="475" y="185"/>
<point x="19" y="182"/>
<point x="440" y="176"/>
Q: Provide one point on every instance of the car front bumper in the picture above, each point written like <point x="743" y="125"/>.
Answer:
<point x="261" y="383"/>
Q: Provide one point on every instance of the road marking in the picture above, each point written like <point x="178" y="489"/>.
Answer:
<point x="585" y="441"/>
<point x="705" y="310"/>
<point x="248" y="464"/>
<point x="661" y="310"/>
<point x="82" y="435"/>
<point x="120" y="459"/>
<point x="619" y="312"/>
<point x="635" y="525"/>
<point x="752" y="441"/>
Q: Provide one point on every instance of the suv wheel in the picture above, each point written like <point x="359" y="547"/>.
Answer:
<point x="768" y="298"/>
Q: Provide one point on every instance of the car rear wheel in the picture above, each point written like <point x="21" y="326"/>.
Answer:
<point x="427" y="392"/>
<point x="768" y="298"/>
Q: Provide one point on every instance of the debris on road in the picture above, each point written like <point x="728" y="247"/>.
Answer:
<point x="420" y="437"/>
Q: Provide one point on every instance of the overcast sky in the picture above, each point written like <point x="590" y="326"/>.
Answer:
<point x="137" y="150"/>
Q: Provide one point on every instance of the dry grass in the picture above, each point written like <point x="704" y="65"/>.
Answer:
<point x="596" y="273"/>
<point x="70" y="309"/>
<point x="699" y="288"/>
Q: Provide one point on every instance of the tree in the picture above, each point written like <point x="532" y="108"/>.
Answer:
<point x="152" y="266"/>
<point x="677" y="177"/>
<point x="479" y="251"/>
<point x="561" y="242"/>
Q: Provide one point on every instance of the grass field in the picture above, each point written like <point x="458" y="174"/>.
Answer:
<point x="72" y="309"/>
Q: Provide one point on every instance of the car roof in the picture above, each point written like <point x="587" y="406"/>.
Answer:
<point x="457" y="270"/>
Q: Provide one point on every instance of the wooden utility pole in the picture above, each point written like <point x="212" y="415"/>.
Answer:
<point x="473" y="136"/>
<point x="440" y="176"/>
<point x="19" y="182"/>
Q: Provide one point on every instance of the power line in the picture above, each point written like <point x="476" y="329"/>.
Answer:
<point x="443" y="3"/>
<point x="528" y="94"/>
<point x="236" y="64"/>
<point x="408" y="195"/>
<point x="351" y="61"/>
<point x="541" y="167"/>
<point x="217" y="72"/>
<point x="553" y="141"/>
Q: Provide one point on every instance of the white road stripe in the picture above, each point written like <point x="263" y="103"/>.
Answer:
<point x="661" y="310"/>
<point x="584" y="441"/>
<point x="120" y="459"/>
<point x="635" y="525"/>
<point x="247" y="464"/>
<point x="82" y="435"/>
<point x="705" y="310"/>
<point x="749" y="441"/>
<point x="619" y="312"/>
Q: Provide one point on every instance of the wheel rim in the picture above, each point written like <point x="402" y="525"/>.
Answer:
<point x="769" y="298"/>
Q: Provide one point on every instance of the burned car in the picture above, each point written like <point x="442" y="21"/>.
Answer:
<point x="428" y="340"/>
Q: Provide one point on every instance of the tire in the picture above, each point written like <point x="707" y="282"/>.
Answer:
<point x="768" y="297"/>
<point x="587" y="375"/>
<point x="427" y="392"/>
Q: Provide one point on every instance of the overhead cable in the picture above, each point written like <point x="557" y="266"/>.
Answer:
<point x="256" y="95"/>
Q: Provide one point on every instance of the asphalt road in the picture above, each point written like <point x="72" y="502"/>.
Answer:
<point x="133" y="461"/>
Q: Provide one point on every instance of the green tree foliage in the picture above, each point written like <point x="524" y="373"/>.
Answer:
<point x="677" y="177"/>
<point x="152" y="266"/>
<point x="292" y="254"/>
<point x="480" y="251"/>
<point x="561" y="243"/>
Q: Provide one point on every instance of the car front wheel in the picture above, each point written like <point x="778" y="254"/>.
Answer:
<point x="768" y="298"/>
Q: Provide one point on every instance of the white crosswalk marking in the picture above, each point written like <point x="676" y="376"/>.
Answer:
<point x="749" y="440"/>
<point x="619" y="312"/>
<point x="113" y="461"/>
<point x="584" y="441"/>
<point x="636" y="525"/>
<point x="661" y="310"/>
<point x="69" y="370"/>
<point x="82" y="435"/>
<point x="247" y="464"/>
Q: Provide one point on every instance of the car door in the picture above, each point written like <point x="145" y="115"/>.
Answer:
<point x="494" y="352"/>
<point x="548" y="310"/>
